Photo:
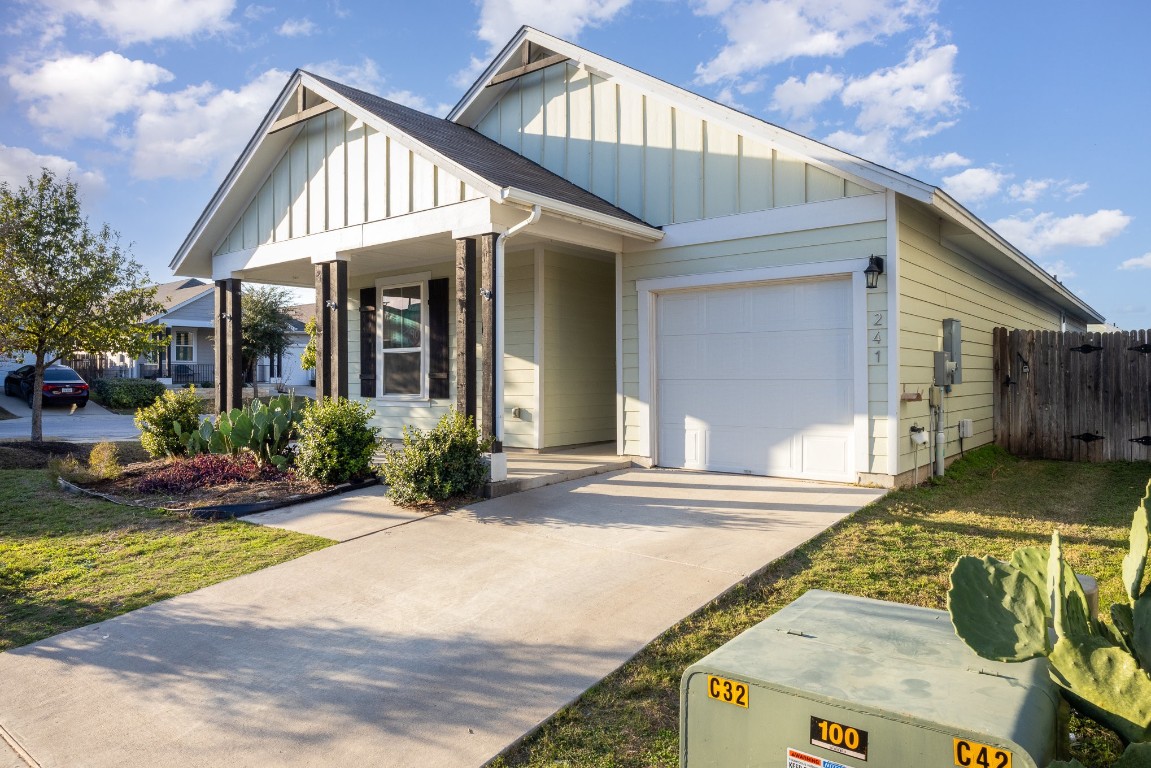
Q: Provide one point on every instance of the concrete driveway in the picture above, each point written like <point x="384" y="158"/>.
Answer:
<point x="436" y="642"/>
<point x="89" y="424"/>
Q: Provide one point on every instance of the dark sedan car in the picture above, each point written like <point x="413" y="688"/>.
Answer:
<point x="61" y="385"/>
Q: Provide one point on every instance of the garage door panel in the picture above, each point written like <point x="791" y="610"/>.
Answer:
<point x="764" y="386"/>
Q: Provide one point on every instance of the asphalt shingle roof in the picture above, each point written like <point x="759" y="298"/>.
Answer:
<point x="479" y="154"/>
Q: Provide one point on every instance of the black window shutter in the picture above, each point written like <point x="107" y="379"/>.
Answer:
<point x="367" y="342"/>
<point x="438" y="338"/>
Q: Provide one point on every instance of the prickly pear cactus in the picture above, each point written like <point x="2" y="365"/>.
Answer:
<point x="1001" y="609"/>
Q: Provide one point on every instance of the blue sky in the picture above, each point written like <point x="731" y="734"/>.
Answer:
<point x="1036" y="115"/>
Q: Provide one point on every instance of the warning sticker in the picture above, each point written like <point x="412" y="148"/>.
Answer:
<point x="797" y="759"/>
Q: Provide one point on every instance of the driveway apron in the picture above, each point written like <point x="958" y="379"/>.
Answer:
<point x="435" y="643"/>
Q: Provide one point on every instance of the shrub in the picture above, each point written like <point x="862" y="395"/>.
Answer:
<point x="126" y="393"/>
<point x="447" y="461"/>
<point x="207" y="469"/>
<point x="336" y="444"/>
<point x="104" y="461"/>
<point x="69" y="468"/>
<point x="157" y="422"/>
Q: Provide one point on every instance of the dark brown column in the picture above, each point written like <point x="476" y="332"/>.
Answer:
<point x="332" y="329"/>
<point x="466" y="326"/>
<point x="229" y="374"/>
<point x="488" y="288"/>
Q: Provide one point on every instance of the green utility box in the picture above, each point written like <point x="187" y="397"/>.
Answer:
<point x="833" y="680"/>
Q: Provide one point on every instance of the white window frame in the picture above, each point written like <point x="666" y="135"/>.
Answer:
<point x="403" y="281"/>
<point x="191" y="332"/>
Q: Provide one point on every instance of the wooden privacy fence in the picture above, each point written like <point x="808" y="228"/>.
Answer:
<point x="1075" y="396"/>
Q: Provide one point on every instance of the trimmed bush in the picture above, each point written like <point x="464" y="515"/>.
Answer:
<point x="447" y="461"/>
<point x="336" y="444"/>
<point x="157" y="422"/>
<point x="126" y="393"/>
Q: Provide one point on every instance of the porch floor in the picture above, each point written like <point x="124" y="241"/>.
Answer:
<point x="527" y="470"/>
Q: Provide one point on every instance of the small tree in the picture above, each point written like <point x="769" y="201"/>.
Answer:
<point x="65" y="288"/>
<point x="308" y="358"/>
<point x="265" y="326"/>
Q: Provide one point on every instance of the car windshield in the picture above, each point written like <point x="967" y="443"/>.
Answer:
<point x="60" y="373"/>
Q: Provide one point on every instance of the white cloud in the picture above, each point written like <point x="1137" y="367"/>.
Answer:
<point x="1072" y="191"/>
<point x="297" y="28"/>
<point x="18" y="163"/>
<point x="200" y="129"/>
<point x="256" y="12"/>
<point x="798" y="98"/>
<point x="913" y="96"/>
<point x="366" y="75"/>
<point x="765" y="32"/>
<point x="1139" y="262"/>
<point x="875" y="147"/>
<point x="135" y="21"/>
<point x="1060" y="269"/>
<point x="81" y="95"/>
<point x="949" y="160"/>
<point x="974" y="184"/>
<point x="1041" y="232"/>
<point x="499" y="19"/>
<point x="1030" y="190"/>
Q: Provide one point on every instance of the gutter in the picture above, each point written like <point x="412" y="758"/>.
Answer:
<point x="582" y="215"/>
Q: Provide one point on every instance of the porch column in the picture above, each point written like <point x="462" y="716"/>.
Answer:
<point x="488" y="341"/>
<point x="466" y="326"/>
<point x="332" y="329"/>
<point x="229" y="373"/>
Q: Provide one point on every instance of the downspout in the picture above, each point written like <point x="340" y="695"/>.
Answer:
<point x="513" y="230"/>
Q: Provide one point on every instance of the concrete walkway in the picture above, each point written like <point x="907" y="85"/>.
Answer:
<point x="433" y="643"/>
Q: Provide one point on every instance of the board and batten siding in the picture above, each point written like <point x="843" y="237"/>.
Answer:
<point x="202" y="310"/>
<point x="729" y="257"/>
<point x="936" y="283"/>
<point x="340" y="172"/>
<point x="519" y="363"/>
<point x="662" y="163"/>
<point x="578" y="350"/>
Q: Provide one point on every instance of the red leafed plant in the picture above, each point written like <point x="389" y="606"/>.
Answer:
<point x="207" y="469"/>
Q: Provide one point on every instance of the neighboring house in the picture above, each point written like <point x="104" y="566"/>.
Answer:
<point x="187" y="322"/>
<point x="581" y="252"/>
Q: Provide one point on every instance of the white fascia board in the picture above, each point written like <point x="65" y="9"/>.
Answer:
<point x="236" y="171"/>
<point x="863" y="172"/>
<point x="473" y="180"/>
<point x="949" y="207"/>
<point x="773" y="221"/>
<point x="602" y="220"/>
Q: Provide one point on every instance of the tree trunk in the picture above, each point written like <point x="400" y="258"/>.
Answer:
<point x="38" y="401"/>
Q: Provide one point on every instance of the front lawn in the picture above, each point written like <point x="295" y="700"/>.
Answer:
<point x="67" y="560"/>
<point x="901" y="548"/>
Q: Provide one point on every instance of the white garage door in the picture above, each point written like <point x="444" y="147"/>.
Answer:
<point x="757" y="379"/>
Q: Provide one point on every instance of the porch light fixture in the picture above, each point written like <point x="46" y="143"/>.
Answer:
<point x="873" y="271"/>
<point x="331" y="304"/>
<point x="225" y="316"/>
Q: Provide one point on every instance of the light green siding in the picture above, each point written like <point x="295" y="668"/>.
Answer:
<point x="936" y="283"/>
<point x="578" y="350"/>
<point x="661" y="162"/>
<point x="339" y="172"/>
<point x="519" y="350"/>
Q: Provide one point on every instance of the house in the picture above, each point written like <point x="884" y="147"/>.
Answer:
<point x="581" y="252"/>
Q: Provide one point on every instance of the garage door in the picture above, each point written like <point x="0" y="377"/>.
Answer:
<point x="757" y="379"/>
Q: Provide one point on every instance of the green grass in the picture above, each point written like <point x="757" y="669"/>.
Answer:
<point x="901" y="548"/>
<point x="67" y="561"/>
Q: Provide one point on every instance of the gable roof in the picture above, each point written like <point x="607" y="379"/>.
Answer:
<point x="978" y="239"/>
<point x="470" y="149"/>
<point x="483" y="164"/>
<point x="178" y="293"/>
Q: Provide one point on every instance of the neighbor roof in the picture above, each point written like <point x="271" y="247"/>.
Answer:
<point x="178" y="293"/>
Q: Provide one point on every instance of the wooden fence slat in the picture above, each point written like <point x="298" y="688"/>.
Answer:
<point x="1105" y="392"/>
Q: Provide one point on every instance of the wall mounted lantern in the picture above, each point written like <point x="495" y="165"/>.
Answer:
<point x="331" y="304"/>
<point x="873" y="271"/>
